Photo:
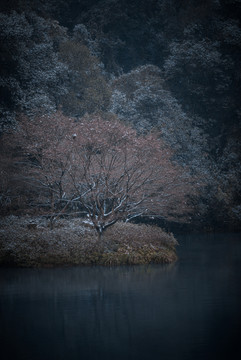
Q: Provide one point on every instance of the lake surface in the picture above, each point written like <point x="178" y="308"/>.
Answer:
<point x="189" y="310"/>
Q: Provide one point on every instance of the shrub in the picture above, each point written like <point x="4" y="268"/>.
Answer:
<point x="72" y="243"/>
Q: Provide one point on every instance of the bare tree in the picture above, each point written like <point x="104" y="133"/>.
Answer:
<point x="100" y="165"/>
<point x="118" y="175"/>
<point x="40" y="152"/>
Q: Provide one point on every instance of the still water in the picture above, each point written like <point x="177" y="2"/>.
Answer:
<point x="189" y="310"/>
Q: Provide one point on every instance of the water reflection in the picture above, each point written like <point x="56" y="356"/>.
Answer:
<point x="79" y="280"/>
<point x="188" y="310"/>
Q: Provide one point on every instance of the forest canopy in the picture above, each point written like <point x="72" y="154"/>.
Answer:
<point x="166" y="69"/>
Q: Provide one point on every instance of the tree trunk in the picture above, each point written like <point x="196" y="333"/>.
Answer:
<point x="99" y="232"/>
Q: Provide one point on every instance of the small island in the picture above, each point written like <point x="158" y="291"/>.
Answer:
<point x="74" y="191"/>
<point x="29" y="242"/>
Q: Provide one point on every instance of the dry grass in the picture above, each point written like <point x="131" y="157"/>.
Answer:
<point x="29" y="242"/>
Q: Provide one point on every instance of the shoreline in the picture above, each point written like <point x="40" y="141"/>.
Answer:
<point x="29" y="242"/>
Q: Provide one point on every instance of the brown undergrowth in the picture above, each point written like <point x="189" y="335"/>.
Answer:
<point x="29" y="242"/>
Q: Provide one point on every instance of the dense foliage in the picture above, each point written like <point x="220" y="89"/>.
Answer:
<point x="165" y="67"/>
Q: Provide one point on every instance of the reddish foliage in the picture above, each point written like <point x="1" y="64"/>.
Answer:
<point x="101" y="165"/>
<point x="39" y="151"/>
<point x="119" y="175"/>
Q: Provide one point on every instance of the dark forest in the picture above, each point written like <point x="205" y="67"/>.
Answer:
<point x="162" y="68"/>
